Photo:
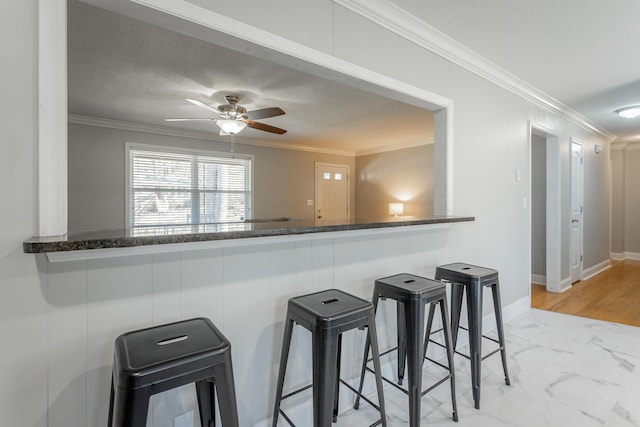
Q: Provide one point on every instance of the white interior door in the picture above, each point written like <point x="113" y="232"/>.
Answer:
<point x="332" y="194"/>
<point x="576" y="210"/>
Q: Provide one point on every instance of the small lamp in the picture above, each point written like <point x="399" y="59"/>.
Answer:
<point x="396" y="209"/>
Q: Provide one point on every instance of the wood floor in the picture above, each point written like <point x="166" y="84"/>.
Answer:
<point x="613" y="295"/>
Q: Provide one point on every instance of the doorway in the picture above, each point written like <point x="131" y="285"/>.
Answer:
<point x="332" y="194"/>
<point x="546" y="202"/>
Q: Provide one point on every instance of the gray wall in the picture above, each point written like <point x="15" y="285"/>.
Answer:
<point x="625" y="200"/>
<point x="538" y="205"/>
<point x="597" y="204"/>
<point x="402" y="175"/>
<point x="632" y="201"/>
<point x="617" y="201"/>
<point x="283" y="179"/>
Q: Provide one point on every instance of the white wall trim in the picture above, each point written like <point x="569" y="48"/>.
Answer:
<point x="402" y="23"/>
<point x="617" y="256"/>
<point x="394" y="147"/>
<point x="559" y="287"/>
<point x="538" y="279"/>
<point x="621" y="256"/>
<point x="205" y="136"/>
<point x="52" y="117"/>
<point x="596" y="269"/>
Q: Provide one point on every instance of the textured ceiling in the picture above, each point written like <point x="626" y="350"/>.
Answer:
<point x="127" y="70"/>
<point x="584" y="53"/>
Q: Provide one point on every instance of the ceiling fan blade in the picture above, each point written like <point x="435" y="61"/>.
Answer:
<point x="203" y="105"/>
<point x="264" y="113"/>
<point x="186" y="120"/>
<point x="263" y="127"/>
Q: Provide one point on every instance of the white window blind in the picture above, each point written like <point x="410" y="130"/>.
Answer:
<point x="181" y="189"/>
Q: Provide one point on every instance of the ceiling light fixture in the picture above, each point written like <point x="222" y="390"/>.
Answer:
<point x="629" y="112"/>
<point x="231" y="127"/>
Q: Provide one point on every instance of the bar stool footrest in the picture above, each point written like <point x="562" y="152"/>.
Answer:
<point x="307" y="387"/>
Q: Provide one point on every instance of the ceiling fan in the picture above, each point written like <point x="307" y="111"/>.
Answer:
<point x="233" y="118"/>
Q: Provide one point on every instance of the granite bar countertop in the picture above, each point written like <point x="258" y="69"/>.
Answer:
<point x="147" y="236"/>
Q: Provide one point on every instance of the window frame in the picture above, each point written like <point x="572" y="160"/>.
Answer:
<point x="177" y="151"/>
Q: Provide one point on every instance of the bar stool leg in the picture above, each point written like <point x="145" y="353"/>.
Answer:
<point x="457" y="292"/>
<point x="336" y="393"/>
<point x="284" y="356"/>
<point x="474" y="311"/>
<point x="427" y="334"/>
<point x="131" y="409"/>
<point x="325" y="355"/>
<point x="414" y="327"/>
<point x="205" y="391"/>
<point x="367" y="345"/>
<point x="449" y="347"/>
<point x="111" y="396"/>
<point x="226" y="394"/>
<point x="375" y="352"/>
<point x="497" y="307"/>
<point x="402" y="340"/>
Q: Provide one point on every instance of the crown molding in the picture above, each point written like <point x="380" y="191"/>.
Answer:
<point x="191" y="134"/>
<point x="625" y="146"/>
<point x="394" y="147"/>
<point x="402" y="23"/>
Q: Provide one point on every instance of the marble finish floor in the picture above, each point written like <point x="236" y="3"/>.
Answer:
<point x="565" y="371"/>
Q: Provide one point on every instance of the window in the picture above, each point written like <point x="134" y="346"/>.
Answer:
<point x="174" y="189"/>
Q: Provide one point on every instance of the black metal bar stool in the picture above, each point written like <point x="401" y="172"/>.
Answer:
<point x="412" y="294"/>
<point x="474" y="279"/>
<point x="327" y="314"/>
<point x="160" y="358"/>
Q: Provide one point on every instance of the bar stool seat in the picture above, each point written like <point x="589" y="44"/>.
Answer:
<point x="156" y="359"/>
<point x="412" y="294"/>
<point x="327" y="315"/>
<point x="474" y="279"/>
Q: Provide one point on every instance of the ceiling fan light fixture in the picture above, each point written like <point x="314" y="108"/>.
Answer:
<point x="629" y="112"/>
<point x="231" y="127"/>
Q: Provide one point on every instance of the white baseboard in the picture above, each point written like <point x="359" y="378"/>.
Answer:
<point x="565" y="285"/>
<point x="538" y="279"/>
<point x="621" y="256"/>
<point x="596" y="269"/>
<point x="509" y="312"/>
<point x="561" y="287"/>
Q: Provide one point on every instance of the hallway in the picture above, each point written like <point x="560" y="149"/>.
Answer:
<point x="613" y="295"/>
